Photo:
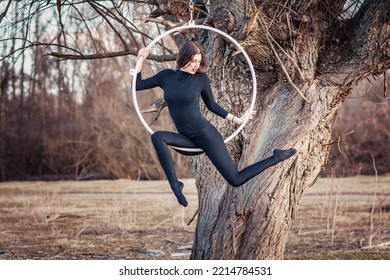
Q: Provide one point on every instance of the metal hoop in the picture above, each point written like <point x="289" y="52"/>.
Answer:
<point x="134" y="72"/>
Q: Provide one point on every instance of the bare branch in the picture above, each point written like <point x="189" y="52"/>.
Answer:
<point x="289" y="57"/>
<point x="3" y="14"/>
<point x="169" y="23"/>
<point x="368" y="32"/>
<point x="269" y="36"/>
<point x="157" y="58"/>
<point x="384" y="85"/>
<point x="34" y="44"/>
<point x="109" y="23"/>
<point x="123" y="22"/>
<point x="164" y="22"/>
<point x="156" y="107"/>
<point x="86" y="26"/>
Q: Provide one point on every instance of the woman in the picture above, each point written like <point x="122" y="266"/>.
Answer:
<point x="183" y="89"/>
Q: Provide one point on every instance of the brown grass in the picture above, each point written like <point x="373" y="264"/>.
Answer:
<point x="125" y="219"/>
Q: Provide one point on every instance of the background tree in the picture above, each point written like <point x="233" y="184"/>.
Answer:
<point x="308" y="56"/>
<point x="361" y="134"/>
<point x="70" y="119"/>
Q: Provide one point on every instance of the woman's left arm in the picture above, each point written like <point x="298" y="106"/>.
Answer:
<point x="209" y="100"/>
<point x="213" y="106"/>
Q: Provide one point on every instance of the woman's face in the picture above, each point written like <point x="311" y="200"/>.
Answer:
<point x="192" y="66"/>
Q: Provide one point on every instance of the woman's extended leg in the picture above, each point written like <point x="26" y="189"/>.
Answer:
<point x="161" y="140"/>
<point x="213" y="145"/>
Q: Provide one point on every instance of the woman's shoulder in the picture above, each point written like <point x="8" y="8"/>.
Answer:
<point x="164" y="74"/>
<point x="167" y="71"/>
<point x="203" y="76"/>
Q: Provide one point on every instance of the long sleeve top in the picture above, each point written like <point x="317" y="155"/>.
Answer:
<point x="182" y="92"/>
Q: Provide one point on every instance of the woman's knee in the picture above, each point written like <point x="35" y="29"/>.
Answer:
<point x="234" y="182"/>
<point x="157" y="137"/>
<point x="232" y="178"/>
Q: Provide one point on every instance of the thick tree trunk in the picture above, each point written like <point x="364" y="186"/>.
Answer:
<point x="253" y="221"/>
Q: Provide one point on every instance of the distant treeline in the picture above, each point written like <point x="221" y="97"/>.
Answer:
<point x="74" y="121"/>
<point x="361" y="134"/>
<point x="65" y="121"/>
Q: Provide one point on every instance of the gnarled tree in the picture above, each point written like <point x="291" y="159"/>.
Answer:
<point x="308" y="55"/>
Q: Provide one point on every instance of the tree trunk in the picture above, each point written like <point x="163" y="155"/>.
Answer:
<point x="310" y="60"/>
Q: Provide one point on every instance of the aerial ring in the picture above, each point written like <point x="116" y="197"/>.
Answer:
<point x="134" y="72"/>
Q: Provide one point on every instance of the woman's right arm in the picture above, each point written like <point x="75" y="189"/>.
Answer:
<point x="148" y="83"/>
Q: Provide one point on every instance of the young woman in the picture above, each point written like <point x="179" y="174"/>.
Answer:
<point x="183" y="89"/>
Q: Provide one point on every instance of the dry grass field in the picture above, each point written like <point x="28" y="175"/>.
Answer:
<point x="347" y="218"/>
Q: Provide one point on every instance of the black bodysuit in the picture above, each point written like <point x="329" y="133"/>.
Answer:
<point x="182" y="93"/>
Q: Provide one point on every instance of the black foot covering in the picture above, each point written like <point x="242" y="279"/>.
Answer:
<point x="177" y="190"/>
<point x="281" y="155"/>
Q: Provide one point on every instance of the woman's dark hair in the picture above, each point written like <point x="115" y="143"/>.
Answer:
<point x="187" y="52"/>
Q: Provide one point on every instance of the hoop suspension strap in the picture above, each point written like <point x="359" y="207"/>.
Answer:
<point x="191" y="10"/>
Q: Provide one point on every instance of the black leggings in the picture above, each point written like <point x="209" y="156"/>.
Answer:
<point x="211" y="142"/>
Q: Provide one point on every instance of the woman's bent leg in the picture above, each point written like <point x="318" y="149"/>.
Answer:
<point x="258" y="167"/>
<point x="161" y="140"/>
<point x="213" y="145"/>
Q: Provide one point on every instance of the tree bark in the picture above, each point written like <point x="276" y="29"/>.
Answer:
<point x="301" y="50"/>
